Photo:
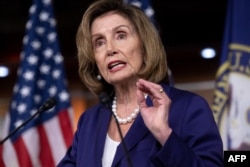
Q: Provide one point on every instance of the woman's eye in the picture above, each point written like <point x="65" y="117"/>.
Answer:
<point x="99" y="43"/>
<point x="122" y="36"/>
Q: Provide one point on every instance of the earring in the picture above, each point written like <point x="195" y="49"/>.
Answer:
<point x="99" y="77"/>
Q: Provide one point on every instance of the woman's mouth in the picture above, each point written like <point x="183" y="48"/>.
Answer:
<point x="116" y="65"/>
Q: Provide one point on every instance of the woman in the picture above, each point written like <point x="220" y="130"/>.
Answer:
<point x="121" y="54"/>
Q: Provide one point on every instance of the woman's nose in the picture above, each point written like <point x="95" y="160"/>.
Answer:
<point x="111" y="50"/>
<point x="110" y="53"/>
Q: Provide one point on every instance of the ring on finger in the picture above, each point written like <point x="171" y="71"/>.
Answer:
<point x="161" y="90"/>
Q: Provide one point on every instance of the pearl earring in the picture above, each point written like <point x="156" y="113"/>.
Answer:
<point x="99" y="77"/>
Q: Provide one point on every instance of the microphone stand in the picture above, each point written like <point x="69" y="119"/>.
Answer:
<point x="104" y="98"/>
<point x="47" y="105"/>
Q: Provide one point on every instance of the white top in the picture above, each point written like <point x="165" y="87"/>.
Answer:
<point x="109" y="151"/>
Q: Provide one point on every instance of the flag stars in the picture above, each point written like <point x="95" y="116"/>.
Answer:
<point x="41" y="83"/>
<point x="149" y="12"/>
<point x="33" y="111"/>
<point x="52" y="91"/>
<point x="19" y="71"/>
<point x="52" y="37"/>
<point x="56" y="74"/>
<point x="58" y="58"/>
<point x="37" y="99"/>
<point x="25" y="91"/>
<point x="25" y="39"/>
<point x="40" y="30"/>
<point x="51" y="110"/>
<point x="138" y="4"/>
<point x="45" y="69"/>
<point x="44" y="16"/>
<point x="32" y="9"/>
<point x="64" y="96"/>
<point x="48" y="53"/>
<point x="28" y="76"/>
<point x="22" y="55"/>
<point x="13" y="104"/>
<point x="15" y="89"/>
<point x="52" y="22"/>
<point x="18" y="123"/>
<point x="36" y="44"/>
<point x="28" y="24"/>
<point x="21" y="108"/>
<point x="32" y="59"/>
<point x="46" y="2"/>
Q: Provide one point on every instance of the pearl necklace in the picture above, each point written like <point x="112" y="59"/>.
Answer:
<point x="124" y="120"/>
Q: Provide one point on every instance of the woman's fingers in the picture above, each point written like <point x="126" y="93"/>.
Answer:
<point x="155" y="91"/>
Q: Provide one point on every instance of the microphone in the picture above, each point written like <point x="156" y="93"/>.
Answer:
<point x="49" y="103"/>
<point x="104" y="99"/>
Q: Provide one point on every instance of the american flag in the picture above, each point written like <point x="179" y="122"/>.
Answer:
<point x="44" y="140"/>
<point x="145" y="5"/>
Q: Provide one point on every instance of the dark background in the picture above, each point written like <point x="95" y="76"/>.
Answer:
<point x="186" y="26"/>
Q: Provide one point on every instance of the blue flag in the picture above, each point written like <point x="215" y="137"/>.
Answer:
<point x="145" y="5"/>
<point x="45" y="139"/>
<point x="231" y="104"/>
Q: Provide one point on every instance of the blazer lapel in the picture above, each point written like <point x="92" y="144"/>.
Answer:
<point x="136" y="133"/>
<point x="105" y="116"/>
<point x="133" y="137"/>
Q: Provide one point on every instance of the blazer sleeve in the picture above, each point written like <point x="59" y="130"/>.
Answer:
<point x="195" y="140"/>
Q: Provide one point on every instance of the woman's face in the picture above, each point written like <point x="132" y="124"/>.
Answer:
<point x="117" y="48"/>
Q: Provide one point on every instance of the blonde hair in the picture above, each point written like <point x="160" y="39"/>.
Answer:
<point x="154" y="68"/>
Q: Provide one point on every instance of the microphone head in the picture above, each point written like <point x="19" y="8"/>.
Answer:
<point x="49" y="104"/>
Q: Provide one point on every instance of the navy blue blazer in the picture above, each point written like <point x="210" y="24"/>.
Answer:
<point x="194" y="142"/>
